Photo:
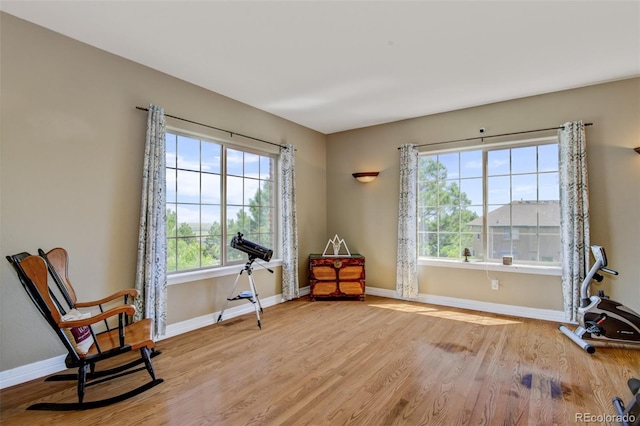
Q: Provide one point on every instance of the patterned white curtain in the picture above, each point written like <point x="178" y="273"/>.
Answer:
<point x="407" y="257"/>
<point x="151" y="274"/>
<point x="290" y="285"/>
<point x="574" y="214"/>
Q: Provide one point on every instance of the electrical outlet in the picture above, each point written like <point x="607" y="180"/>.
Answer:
<point x="495" y="284"/>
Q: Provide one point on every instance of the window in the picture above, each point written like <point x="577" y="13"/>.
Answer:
<point x="495" y="201"/>
<point x="213" y="192"/>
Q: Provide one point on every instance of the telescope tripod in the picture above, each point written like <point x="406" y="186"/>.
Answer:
<point x="251" y="295"/>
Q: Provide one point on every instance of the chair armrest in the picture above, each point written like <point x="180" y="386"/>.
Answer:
<point x="123" y="309"/>
<point x="131" y="292"/>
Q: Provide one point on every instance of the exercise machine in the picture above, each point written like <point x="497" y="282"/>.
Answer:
<point x="629" y="416"/>
<point x="600" y="318"/>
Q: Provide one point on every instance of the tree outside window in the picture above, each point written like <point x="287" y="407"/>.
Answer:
<point x="519" y="217"/>
<point x="210" y="185"/>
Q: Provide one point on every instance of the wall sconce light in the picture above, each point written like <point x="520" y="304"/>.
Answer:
<point x="637" y="149"/>
<point x="366" y="177"/>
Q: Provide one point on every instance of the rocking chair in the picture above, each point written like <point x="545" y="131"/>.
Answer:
<point x="76" y="331"/>
<point x="57" y="261"/>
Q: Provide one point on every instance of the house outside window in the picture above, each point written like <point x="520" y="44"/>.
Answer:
<point x="215" y="190"/>
<point x="496" y="201"/>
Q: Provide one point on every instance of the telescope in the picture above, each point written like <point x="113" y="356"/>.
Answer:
<point x="254" y="250"/>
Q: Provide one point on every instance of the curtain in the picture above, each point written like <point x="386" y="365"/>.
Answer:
<point x="574" y="214"/>
<point x="407" y="256"/>
<point x="290" y="285"/>
<point x="151" y="273"/>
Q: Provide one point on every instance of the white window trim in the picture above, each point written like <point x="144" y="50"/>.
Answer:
<point x="179" y="277"/>
<point x="504" y="144"/>
<point x="217" y="272"/>
<point x="554" y="270"/>
<point x="224" y="140"/>
<point x="494" y="267"/>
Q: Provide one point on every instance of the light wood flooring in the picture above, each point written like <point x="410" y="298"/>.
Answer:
<point x="377" y="362"/>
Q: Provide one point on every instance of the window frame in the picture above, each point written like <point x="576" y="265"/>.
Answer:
<point x="534" y="267"/>
<point x="226" y="266"/>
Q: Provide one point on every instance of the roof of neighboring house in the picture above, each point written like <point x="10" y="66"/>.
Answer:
<point x="524" y="213"/>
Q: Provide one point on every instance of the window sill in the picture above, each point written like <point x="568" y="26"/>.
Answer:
<point x="223" y="271"/>
<point x="486" y="266"/>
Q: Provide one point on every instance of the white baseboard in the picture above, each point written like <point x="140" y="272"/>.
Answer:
<point x="476" y="305"/>
<point x="32" y="371"/>
<point x="210" y="319"/>
<point x="56" y="364"/>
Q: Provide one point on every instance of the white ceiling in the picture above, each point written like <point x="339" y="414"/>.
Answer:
<point x="339" y="65"/>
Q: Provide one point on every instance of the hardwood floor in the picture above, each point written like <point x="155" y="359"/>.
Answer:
<point x="378" y="362"/>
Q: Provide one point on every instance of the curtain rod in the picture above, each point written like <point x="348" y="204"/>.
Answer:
<point x="217" y="128"/>
<point x="495" y="136"/>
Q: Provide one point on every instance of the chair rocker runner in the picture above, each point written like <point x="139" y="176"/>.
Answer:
<point x="85" y="347"/>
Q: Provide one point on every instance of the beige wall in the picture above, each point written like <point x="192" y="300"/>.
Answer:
<point x="71" y="145"/>
<point x="71" y="148"/>
<point x="366" y="214"/>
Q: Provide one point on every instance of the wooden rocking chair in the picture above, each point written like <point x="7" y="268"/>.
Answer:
<point x="98" y="346"/>
<point x="57" y="261"/>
